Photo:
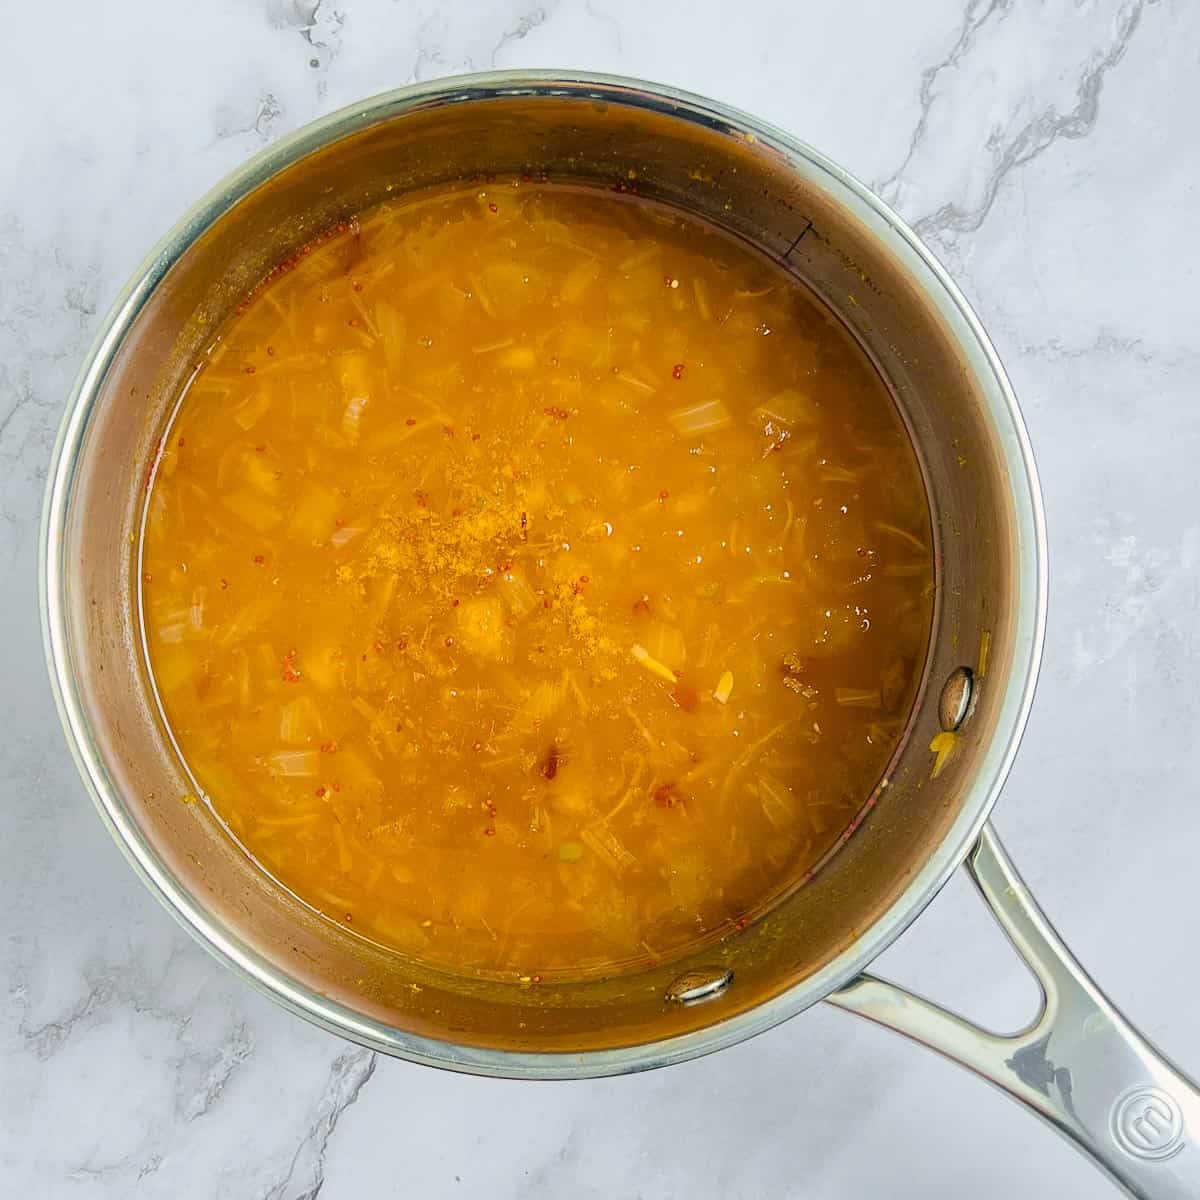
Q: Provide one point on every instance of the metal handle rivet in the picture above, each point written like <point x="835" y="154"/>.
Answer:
<point x="703" y="983"/>
<point x="955" y="701"/>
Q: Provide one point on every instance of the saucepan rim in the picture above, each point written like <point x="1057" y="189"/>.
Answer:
<point x="224" y="941"/>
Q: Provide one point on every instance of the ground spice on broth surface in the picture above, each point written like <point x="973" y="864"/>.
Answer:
<point x="536" y="579"/>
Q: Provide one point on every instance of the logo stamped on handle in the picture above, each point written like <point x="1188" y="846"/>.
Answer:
<point x="1147" y="1123"/>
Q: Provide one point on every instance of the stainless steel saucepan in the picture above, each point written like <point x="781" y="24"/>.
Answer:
<point x="1079" y="1065"/>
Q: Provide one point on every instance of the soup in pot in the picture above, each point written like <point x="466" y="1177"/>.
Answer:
<point x="536" y="579"/>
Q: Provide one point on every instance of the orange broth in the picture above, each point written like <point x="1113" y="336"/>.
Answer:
<point x="536" y="579"/>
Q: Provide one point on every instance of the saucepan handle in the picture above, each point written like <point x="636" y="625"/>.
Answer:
<point x="1080" y="1066"/>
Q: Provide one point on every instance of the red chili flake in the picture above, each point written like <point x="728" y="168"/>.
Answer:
<point x="456" y="512"/>
<point x="421" y="498"/>
<point x="489" y="831"/>
<point x="319" y="793"/>
<point x="536" y="979"/>
<point x="411" y="421"/>
<point x="402" y="644"/>
<point x="270" y="351"/>
<point x="546" y="602"/>
<point x="259" y="560"/>
<point x="329" y="747"/>
<point x="337" y="787"/>
<point x="666" y="795"/>
<point x="224" y="583"/>
<point x="349" y="919"/>
<point x="555" y="411"/>
<point x="260" y="448"/>
<point x="182" y="442"/>
<point x="455" y="602"/>
<point x="740" y="924"/>
<point x="354" y="322"/>
<point x="449" y="641"/>
<point x="357" y="285"/>
<point x="663" y="494"/>
<point x="550" y="766"/>
<point x="685" y="697"/>
<point x="290" y="672"/>
<point x="146" y="577"/>
<point x="250" y="370"/>
<point x="641" y="608"/>
<point x="491" y="808"/>
<point x="477" y="746"/>
<point x="492" y="208"/>
<point x="677" y="371"/>
<point x="474" y="437"/>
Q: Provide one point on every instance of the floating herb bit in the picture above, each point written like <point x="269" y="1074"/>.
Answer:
<point x="942" y="746"/>
<point x="643" y="656"/>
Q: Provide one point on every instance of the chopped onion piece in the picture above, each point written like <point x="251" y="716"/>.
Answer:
<point x="196" y="612"/>
<point x="172" y="626"/>
<point x="313" y="515"/>
<point x="518" y="595"/>
<point x="608" y="847"/>
<point x="392" y="327"/>
<point x="252" y="509"/>
<point x="903" y="535"/>
<point x="299" y="721"/>
<point x="346" y="534"/>
<point x="352" y="417"/>
<point x="519" y="358"/>
<point x="295" y="763"/>
<point x="700" y="418"/>
<point x="788" y="407"/>
<point x="667" y="644"/>
<point x="778" y="804"/>
<point x="248" y="413"/>
<point x="724" y="687"/>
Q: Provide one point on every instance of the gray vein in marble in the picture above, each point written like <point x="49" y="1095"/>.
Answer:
<point x="319" y="24"/>
<point x="973" y="21"/>
<point x="348" y="1076"/>
<point x="1111" y="345"/>
<point x="107" y="985"/>
<point x="521" y="30"/>
<point x="219" y="1067"/>
<point x="269" y="110"/>
<point x="1031" y="140"/>
<point x="608" y="19"/>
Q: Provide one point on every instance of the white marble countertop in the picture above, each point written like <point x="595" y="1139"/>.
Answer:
<point x="1049" y="154"/>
